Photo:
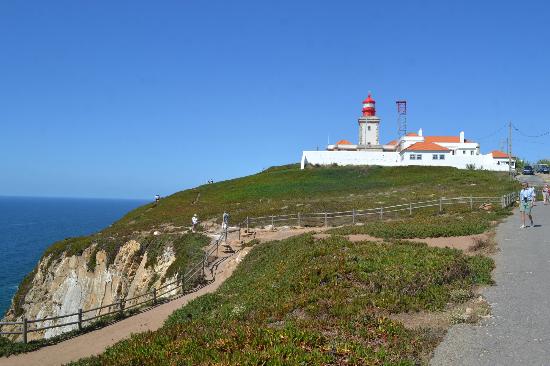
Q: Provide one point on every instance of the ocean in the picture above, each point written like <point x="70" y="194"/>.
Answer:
<point x="29" y="225"/>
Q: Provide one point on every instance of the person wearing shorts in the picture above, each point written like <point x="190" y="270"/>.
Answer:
<point x="526" y="204"/>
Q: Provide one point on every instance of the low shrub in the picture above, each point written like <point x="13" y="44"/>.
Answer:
<point x="304" y="301"/>
<point x="427" y="226"/>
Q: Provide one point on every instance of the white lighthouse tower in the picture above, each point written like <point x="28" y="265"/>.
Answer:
<point x="369" y="126"/>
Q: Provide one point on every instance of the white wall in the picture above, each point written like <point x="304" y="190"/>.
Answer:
<point x="395" y="159"/>
<point x="350" y="158"/>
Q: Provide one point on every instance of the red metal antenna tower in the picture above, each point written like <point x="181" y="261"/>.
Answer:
<point x="401" y="117"/>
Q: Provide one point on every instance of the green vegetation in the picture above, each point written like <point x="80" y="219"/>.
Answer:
<point x="302" y="301"/>
<point x="454" y="223"/>
<point x="284" y="190"/>
<point x="287" y="189"/>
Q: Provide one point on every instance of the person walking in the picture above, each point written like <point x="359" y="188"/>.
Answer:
<point x="194" y="222"/>
<point x="545" y="194"/>
<point x="225" y="224"/>
<point x="526" y="203"/>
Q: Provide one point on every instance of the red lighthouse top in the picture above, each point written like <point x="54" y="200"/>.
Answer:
<point x="368" y="107"/>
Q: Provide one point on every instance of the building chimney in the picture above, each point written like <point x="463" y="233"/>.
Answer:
<point x="461" y="137"/>
<point x="420" y="132"/>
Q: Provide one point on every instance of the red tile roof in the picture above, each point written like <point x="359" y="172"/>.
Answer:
<point x="442" y="139"/>
<point x="426" y="146"/>
<point x="499" y="154"/>
<point x="410" y="134"/>
<point x="344" y="142"/>
<point x="392" y="142"/>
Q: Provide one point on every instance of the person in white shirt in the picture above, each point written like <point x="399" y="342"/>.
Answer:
<point x="526" y="203"/>
<point x="194" y="222"/>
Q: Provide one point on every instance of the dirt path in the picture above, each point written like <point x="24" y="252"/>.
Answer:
<point x="97" y="341"/>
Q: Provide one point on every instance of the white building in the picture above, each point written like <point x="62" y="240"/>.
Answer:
<point x="411" y="149"/>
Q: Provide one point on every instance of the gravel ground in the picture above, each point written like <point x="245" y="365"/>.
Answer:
<point x="518" y="333"/>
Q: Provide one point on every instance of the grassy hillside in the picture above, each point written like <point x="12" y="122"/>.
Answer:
<point x="302" y="301"/>
<point x="280" y="190"/>
<point x="287" y="189"/>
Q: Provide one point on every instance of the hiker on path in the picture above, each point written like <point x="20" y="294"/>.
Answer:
<point x="194" y="222"/>
<point x="225" y="224"/>
<point x="546" y="194"/>
<point x="526" y="203"/>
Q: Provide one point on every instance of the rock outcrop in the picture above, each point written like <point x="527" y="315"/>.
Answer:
<point x="64" y="285"/>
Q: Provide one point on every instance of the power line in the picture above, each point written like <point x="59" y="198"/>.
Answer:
<point x="492" y="133"/>
<point x="530" y="136"/>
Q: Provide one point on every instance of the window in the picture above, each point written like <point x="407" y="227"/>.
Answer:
<point x="472" y="152"/>
<point x="442" y="157"/>
<point x="464" y="152"/>
<point x="368" y="128"/>
<point x="434" y="156"/>
<point x="412" y="157"/>
<point x="418" y="157"/>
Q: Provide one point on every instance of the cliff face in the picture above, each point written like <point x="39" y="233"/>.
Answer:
<point x="65" y="284"/>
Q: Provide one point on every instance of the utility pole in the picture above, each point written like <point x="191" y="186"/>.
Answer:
<point x="510" y="150"/>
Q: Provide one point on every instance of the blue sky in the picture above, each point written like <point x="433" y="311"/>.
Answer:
<point x="131" y="98"/>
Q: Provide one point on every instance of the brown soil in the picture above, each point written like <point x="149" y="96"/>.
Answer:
<point x="464" y="243"/>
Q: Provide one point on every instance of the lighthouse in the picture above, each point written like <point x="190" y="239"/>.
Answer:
<point x="369" y="125"/>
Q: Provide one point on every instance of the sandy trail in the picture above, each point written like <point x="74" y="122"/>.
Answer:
<point x="97" y="341"/>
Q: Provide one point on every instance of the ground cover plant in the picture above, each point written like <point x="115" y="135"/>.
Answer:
<point x="280" y="190"/>
<point x="305" y="301"/>
<point x="455" y="222"/>
<point x="287" y="189"/>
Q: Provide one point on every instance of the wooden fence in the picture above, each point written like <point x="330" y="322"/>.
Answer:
<point x="195" y="277"/>
<point x="355" y="216"/>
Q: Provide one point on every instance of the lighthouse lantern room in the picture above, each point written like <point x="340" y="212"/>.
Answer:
<point x="369" y="126"/>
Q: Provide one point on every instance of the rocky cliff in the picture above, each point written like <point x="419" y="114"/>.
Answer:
<point x="64" y="282"/>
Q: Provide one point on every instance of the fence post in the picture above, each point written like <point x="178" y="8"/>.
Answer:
<point x="326" y="219"/>
<point x="25" y="330"/>
<point x="381" y="212"/>
<point x="353" y="216"/>
<point x="410" y="208"/>
<point x="247" y="229"/>
<point x="440" y="204"/>
<point x="121" y="308"/>
<point x="183" y="284"/>
<point x="503" y="201"/>
<point x="154" y="296"/>
<point x="471" y="203"/>
<point x="239" y="232"/>
<point x="272" y="222"/>
<point x="79" y="319"/>
<point x="299" y="220"/>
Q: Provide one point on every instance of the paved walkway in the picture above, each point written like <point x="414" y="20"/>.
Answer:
<point x="519" y="331"/>
<point x="97" y="341"/>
